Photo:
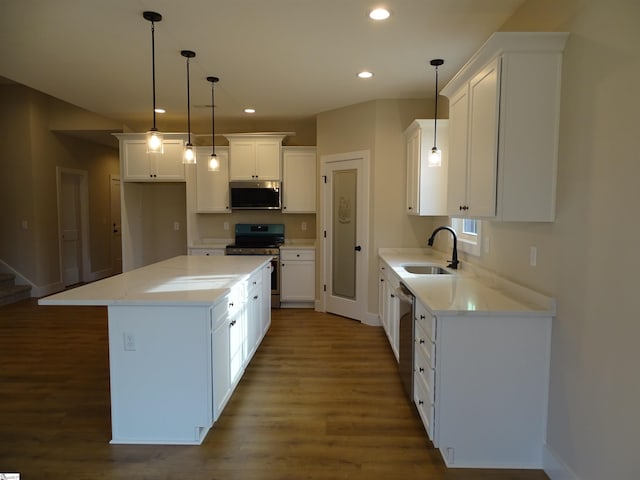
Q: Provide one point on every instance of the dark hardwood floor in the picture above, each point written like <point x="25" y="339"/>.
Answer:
<point x="321" y="400"/>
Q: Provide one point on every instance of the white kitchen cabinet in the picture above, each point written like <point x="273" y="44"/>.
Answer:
<point x="299" y="180"/>
<point x="212" y="188"/>
<point x="140" y="166"/>
<point x="389" y="306"/>
<point x="221" y="355"/>
<point x="207" y="251"/>
<point x="426" y="185"/>
<point x="297" y="280"/>
<point x="255" y="156"/>
<point x="483" y="373"/>
<point x="265" y="317"/>
<point x="503" y="132"/>
<point x="254" y="314"/>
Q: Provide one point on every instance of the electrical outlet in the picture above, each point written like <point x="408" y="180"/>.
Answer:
<point x="225" y="225"/>
<point x="25" y="225"/>
<point x="176" y="226"/>
<point x="129" y="341"/>
<point x="533" y="256"/>
<point x="303" y="226"/>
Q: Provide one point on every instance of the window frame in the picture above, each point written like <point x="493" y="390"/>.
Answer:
<point x="468" y="243"/>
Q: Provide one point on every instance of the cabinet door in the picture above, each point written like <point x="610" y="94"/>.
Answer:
<point x="265" y="304"/>
<point x="268" y="159"/>
<point x="169" y="166"/>
<point x="299" y="180"/>
<point x="484" y="98"/>
<point x="413" y="171"/>
<point x="458" y="131"/>
<point x="297" y="283"/>
<point x="212" y="188"/>
<point x="135" y="161"/>
<point x="221" y="368"/>
<point x="242" y="156"/>
<point x="254" y="313"/>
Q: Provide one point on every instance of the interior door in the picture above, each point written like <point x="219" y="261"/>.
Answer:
<point x="345" y="205"/>
<point x="71" y="236"/>
<point x="116" y="226"/>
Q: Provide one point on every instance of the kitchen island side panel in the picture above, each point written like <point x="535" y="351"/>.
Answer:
<point x="160" y="362"/>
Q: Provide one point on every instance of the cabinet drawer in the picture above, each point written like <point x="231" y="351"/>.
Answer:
<point x="288" y="254"/>
<point x="424" y="345"/>
<point x="425" y="406"/>
<point x="426" y="321"/>
<point x="206" y="251"/>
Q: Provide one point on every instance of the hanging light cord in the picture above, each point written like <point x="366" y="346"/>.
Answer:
<point x="435" y="123"/>
<point x="213" y="129"/>
<point x="188" y="106"/>
<point x="153" y="70"/>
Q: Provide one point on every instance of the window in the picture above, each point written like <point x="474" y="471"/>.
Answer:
<point x="469" y="238"/>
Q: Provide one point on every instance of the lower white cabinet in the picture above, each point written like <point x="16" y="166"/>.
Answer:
<point x="480" y="386"/>
<point x="297" y="280"/>
<point x="389" y="306"/>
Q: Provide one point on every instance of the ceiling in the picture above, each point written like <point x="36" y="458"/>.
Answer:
<point x="288" y="59"/>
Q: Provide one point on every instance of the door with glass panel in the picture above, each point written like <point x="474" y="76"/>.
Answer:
<point x="345" y="237"/>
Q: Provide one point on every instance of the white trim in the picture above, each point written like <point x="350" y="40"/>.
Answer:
<point x="555" y="467"/>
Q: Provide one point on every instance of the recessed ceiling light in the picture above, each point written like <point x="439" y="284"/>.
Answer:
<point x="379" y="14"/>
<point x="249" y="110"/>
<point x="365" y="74"/>
<point x="159" y="110"/>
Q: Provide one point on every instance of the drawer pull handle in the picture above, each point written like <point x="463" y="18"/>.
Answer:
<point x="421" y="317"/>
<point x="421" y="342"/>
<point x="421" y="369"/>
<point x="420" y="402"/>
<point x="233" y="322"/>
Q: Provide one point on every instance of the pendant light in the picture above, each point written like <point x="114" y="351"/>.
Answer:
<point x="189" y="154"/>
<point x="214" y="162"/>
<point x="154" y="137"/>
<point x="435" y="157"/>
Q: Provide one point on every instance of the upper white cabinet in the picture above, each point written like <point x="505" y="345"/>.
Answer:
<point x="426" y="185"/>
<point x="299" y="180"/>
<point x="139" y="166"/>
<point x="212" y="188"/>
<point x="255" y="156"/>
<point x="503" y="128"/>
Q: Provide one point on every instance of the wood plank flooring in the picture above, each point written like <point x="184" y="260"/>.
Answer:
<point x="321" y="400"/>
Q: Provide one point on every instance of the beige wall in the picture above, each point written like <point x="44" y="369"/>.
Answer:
<point x="30" y="154"/>
<point x="378" y="126"/>
<point x="587" y="258"/>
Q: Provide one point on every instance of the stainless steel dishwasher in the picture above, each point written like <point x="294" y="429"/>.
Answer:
<point x="405" y="344"/>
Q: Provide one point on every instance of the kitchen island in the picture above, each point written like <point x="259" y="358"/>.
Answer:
<point x="181" y="333"/>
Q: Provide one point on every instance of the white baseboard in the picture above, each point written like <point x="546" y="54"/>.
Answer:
<point x="38" y="291"/>
<point x="372" y="320"/>
<point x="554" y="466"/>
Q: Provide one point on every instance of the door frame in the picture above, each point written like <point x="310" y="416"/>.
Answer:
<point x="83" y="176"/>
<point x="362" y="289"/>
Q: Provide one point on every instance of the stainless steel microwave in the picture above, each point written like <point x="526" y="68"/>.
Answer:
<point x="255" y="195"/>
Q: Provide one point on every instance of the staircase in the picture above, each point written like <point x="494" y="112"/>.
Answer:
<point x="10" y="292"/>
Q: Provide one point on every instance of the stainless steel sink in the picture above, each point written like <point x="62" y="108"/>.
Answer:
<point x="426" y="270"/>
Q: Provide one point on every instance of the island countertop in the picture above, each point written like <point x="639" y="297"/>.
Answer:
<point x="184" y="279"/>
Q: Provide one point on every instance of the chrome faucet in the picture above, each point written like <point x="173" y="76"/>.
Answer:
<point x="454" y="260"/>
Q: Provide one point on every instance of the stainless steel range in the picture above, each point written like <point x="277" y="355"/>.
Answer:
<point x="261" y="239"/>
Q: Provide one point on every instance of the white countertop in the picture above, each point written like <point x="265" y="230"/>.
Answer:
<point x="180" y="280"/>
<point x="465" y="291"/>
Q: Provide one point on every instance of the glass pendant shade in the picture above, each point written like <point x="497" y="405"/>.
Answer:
<point x="435" y="157"/>
<point x="154" y="137"/>
<point x="155" y="142"/>
<point x="189" y="155"/>
<point x="214" y="163"/>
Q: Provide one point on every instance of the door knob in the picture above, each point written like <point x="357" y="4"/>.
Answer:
<point x="358" y="248"/>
